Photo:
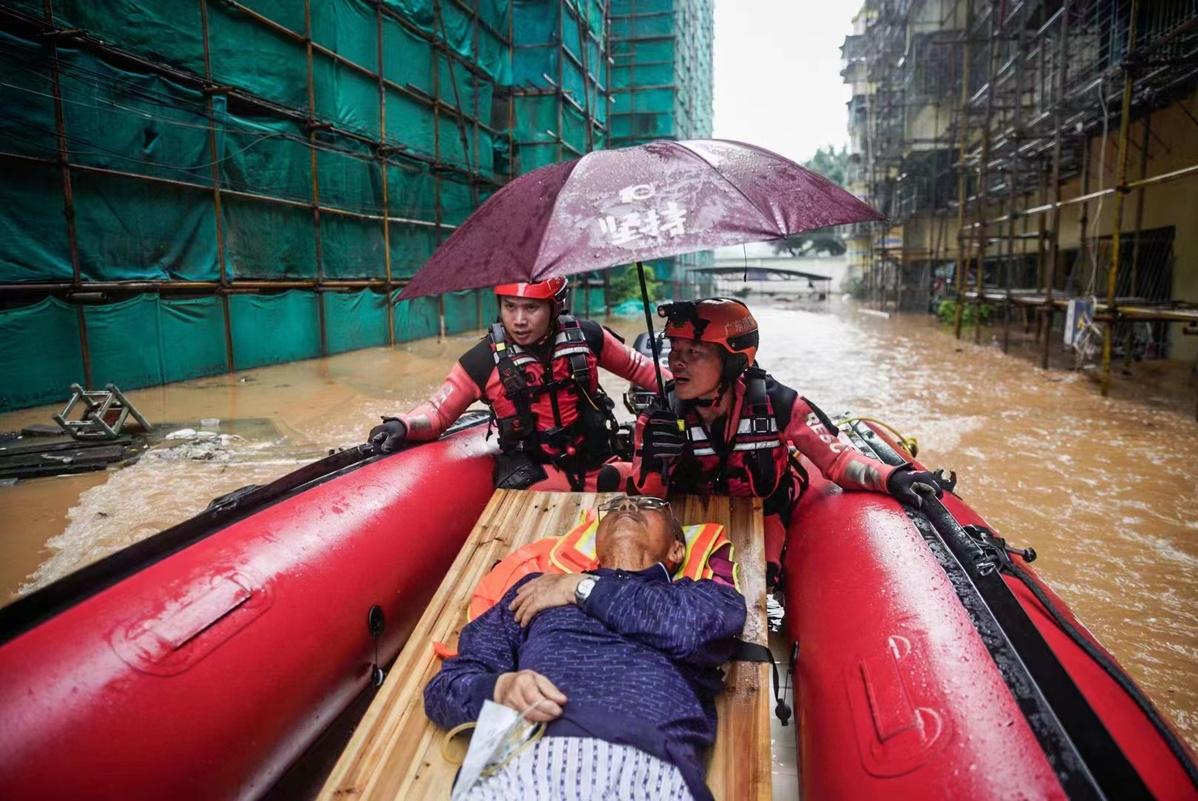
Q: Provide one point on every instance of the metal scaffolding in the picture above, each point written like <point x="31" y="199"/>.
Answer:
<point x="991" y="121"/>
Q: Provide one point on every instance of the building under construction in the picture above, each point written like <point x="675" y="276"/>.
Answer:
<point x="198" y="186"/>
<point x="1037" y="160"/>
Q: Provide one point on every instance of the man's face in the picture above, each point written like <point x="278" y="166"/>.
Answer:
<point x="697" y="367"/>
<point x="632" y="538"/>
<point x="526" y="320"/>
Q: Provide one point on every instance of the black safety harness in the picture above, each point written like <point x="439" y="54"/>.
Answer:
<point x="519" y="432"/>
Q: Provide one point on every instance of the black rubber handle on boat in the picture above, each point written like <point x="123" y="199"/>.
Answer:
<point x="40" y="605"/>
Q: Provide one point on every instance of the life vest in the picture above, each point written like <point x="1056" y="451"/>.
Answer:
<point x="753" y="462"/>
<point x="554" y="411"/>
<point x="574" y="552"/>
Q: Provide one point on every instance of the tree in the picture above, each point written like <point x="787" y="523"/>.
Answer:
<point x="831" y="163"/>
<point x="811" y="244"/>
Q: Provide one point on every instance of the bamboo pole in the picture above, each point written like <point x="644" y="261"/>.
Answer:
<point x="1108" y="328"/>
<point x="68" y="195"/>
<point x="962" y="184"/>
<point x="1133" y="284"/>
<point x="1041" y="231"/>
<point x="388" y="299"/>
<point x="215" y="157"/>
<point x="983" y="177"/>
<point x="1054" y="243"/>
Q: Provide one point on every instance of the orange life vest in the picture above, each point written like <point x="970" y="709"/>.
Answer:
<point x="574" y="552"/>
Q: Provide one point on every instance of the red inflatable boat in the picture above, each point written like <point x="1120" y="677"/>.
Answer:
<point x="205" y="661"/>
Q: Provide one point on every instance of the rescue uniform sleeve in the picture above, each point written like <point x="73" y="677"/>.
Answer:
<point x="695" y="622"/>
<point x="616" y="357"/>
<point x="462" y="387"/>
<point x="838" y="462"/>
<point x="487" y="648"/>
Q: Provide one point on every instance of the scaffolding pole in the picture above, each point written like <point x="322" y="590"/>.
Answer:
<point x="962" y="183"/>
<point x="1054" y="243"/>
<point x="1108" y="328"/>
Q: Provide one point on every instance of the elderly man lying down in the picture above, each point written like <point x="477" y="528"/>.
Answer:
<point x="621" y="663"/>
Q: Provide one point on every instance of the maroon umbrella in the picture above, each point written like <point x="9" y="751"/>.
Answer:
<point x="630" y="205"/>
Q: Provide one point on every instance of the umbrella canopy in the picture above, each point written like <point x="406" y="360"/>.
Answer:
<point x="633" y="204"/>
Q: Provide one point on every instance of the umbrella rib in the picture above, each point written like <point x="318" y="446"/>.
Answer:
<point x="739" y="191"/>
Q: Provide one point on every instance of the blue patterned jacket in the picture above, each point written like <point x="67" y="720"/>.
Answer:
<point x="638" y="663"/>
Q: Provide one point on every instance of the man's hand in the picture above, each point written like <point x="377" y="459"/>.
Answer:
<point x="527" y="688"/>
<point x="909" y="486"/>
<point x="544" y="592"/>
<point x="388" y="436"/>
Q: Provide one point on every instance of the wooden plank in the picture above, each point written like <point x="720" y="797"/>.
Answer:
<point x="396" y="752"/>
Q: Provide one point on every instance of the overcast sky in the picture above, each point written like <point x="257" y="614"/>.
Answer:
<point x="777" y="73"/>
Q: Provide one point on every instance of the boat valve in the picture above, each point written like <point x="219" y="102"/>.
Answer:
<point x="375" y="623"/>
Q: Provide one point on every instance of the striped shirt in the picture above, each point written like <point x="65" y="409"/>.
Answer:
<point x="582" y="769"/>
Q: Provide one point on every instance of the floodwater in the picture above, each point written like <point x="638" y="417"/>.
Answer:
<point x="1105" y="489"/>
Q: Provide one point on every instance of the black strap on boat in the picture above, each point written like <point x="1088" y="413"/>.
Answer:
<point x="1117" y="674"/>
<point x="754" y="652"/>
<point x="1087" y="760"/>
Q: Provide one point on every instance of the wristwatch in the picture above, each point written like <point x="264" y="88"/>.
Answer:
<point x="583" y="590"/>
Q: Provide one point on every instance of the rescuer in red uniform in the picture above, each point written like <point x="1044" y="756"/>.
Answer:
<point x="537" y="369"/>
<point x="731" y="426"/>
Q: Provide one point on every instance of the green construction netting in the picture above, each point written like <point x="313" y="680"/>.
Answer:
<point x="355" y="320"/>
<point x="139" y="342"/>
<point x="269" y="329"/>
<point x="415" y="319"/>
<point x="39" y="354"/>
<point x="33" y="234"/>
<point x="348" y="28"/>
<point x="462" y="311"/>
<point x="407" y="57"/>
<point x="160" y="222"/>
<point x="268" y="240"/>
<point x="250" y="55"/>
<point x="147" y="340"/>
<point x="162" y="31"/>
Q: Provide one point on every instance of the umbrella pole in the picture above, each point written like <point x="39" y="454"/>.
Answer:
<point x="661" y="385"/>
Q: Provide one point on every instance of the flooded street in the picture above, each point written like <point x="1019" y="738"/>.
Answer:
<point x="1105" y="489"/>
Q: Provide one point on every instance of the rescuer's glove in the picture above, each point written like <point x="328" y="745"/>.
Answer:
<point x="909" y="485"/>
<point x="662" y="441"/>
<point x="388" y="436"/>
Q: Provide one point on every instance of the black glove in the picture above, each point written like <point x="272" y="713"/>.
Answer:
<point x="909" y="485"/>
<point x="662" y="441"/>
<point x="388" y="436"/>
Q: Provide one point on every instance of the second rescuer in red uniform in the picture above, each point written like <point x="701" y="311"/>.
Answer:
<point x="738" y="426"/>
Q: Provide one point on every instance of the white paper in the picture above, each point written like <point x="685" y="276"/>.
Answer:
<point x="495" y="723"/>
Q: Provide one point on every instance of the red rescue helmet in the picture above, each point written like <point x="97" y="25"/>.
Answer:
<point x="552" y="289"/>
<point x="720" y="321"/>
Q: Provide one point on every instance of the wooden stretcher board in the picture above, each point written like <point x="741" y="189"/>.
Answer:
<point x="396" y="752"/>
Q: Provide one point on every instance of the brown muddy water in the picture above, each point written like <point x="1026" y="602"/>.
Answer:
<point x="1105" y="489"/>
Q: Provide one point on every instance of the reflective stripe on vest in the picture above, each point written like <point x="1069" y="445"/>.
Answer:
<point x="757" y="461"/>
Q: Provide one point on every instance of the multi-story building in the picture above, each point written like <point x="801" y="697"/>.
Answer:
<point x="661" y="86"/>
<point x="1014" y="146"/>
<point x="198" y="186"/>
